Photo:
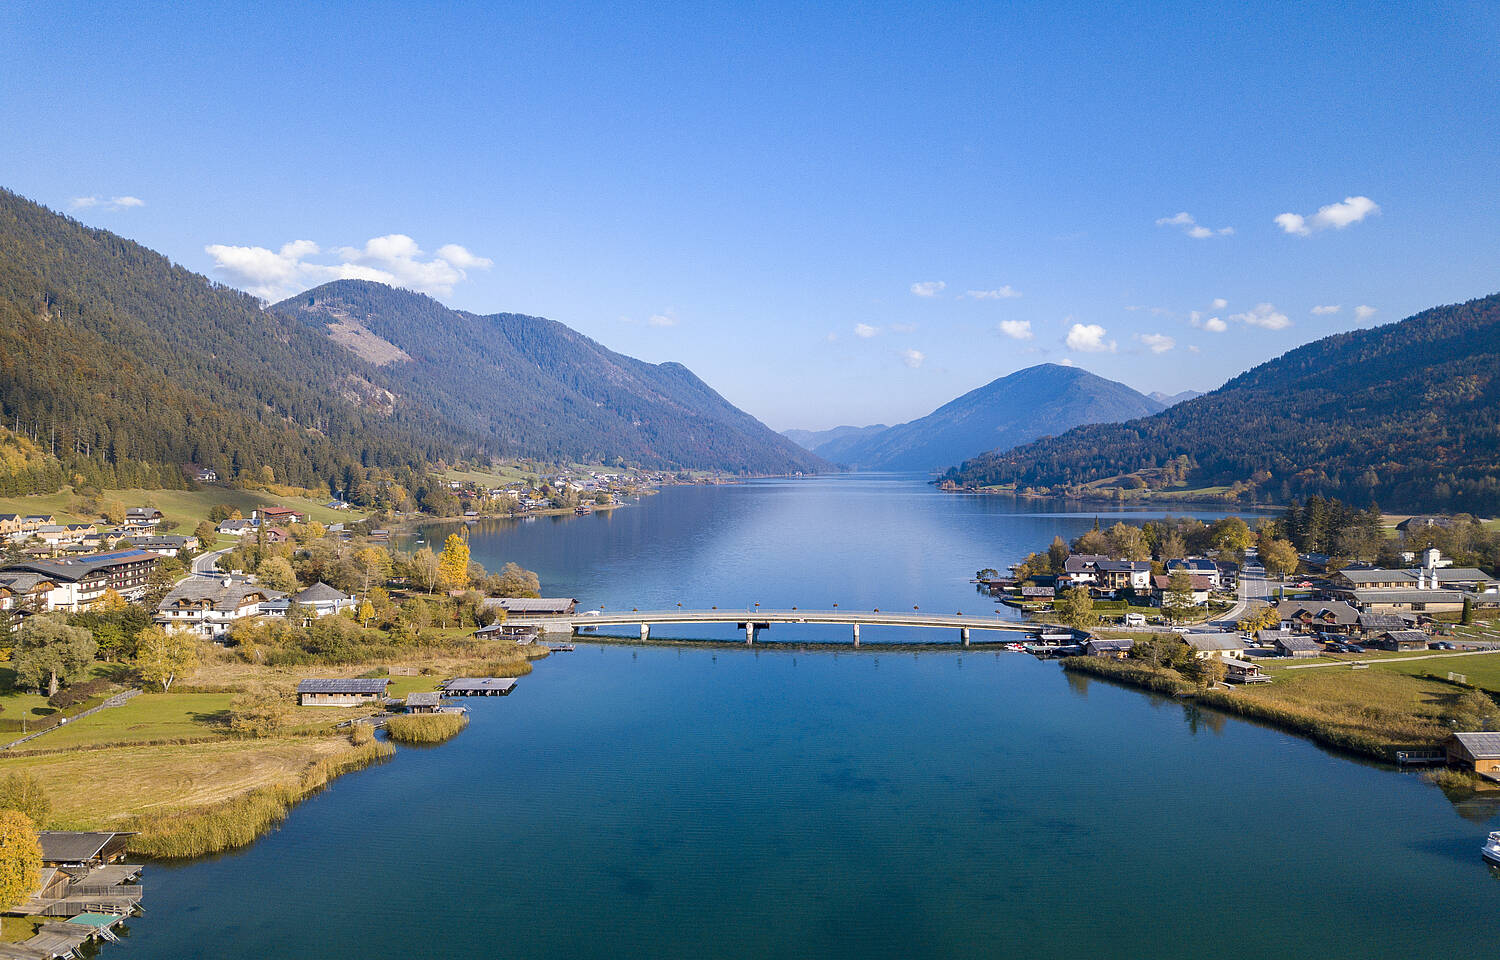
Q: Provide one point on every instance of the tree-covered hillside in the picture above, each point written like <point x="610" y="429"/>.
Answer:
<point x="129" y="367"/>
<point x="118" y="368"/>
<point x="1406" y="415"/>
<point x="541" y="389"/>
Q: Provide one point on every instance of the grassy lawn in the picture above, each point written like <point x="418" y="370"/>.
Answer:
<point x="1482" y="671"/>
<point x="150" y="716"/>
<point x="187" y="507"/>
<point x="401" y="686"/>
<point x="123" y="781"/>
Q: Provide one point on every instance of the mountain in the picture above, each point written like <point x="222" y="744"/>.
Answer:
<point x="118" y="367"/>
<point x="1406" y="415"/>
<point x="534" y="387"/>
<point x="1172" y="399"/>
<point x="1040" y="400"/>
<point x="827" y="443"/>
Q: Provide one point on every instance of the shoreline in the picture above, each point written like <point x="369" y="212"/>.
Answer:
<point x="1302" y="723"/>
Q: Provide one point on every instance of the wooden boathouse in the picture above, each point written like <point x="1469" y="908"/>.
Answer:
<point x="479" y="686"/>
<point x="350" y="692"/>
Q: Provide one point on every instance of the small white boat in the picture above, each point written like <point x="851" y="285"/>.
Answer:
<point x="1491" y="849"/>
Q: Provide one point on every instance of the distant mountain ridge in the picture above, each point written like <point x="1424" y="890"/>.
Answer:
<point x="829" y="443"/>
<point x="539" y="388"/>
<point x="1406" y="415"/>
<point x="1172" y="399"/>
<point x="1044" y="399"/>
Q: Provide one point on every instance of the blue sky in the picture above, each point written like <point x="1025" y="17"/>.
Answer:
<point x="832" y="213"/>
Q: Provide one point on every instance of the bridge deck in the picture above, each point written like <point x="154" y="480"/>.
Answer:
<point x="914" y="618"/>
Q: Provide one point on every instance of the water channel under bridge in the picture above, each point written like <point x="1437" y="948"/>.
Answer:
<point x="752" y="621"/>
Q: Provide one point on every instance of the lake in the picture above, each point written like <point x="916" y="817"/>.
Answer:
<point x="729" y="802"/>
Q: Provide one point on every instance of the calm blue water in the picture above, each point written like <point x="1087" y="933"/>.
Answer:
<point x="692" y="802"/>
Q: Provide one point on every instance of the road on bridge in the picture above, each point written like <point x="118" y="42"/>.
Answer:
<point x="754" y="619"/>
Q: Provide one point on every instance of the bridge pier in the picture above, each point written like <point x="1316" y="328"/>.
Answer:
<point x="856" y="634"/>
<point x="964" y="633"/>
<point x="645" y="631"/>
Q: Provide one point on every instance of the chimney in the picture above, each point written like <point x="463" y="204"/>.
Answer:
<point x="1421" y="579"/>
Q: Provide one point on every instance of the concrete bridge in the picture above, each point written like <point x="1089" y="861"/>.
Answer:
<point x="754" y="620"/>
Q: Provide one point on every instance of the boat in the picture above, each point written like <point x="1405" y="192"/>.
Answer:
<point x="1491" y="849"/>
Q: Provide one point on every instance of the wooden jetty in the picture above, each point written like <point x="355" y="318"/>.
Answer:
<point x="479" y="686"/>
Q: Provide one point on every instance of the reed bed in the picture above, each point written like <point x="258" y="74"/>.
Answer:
<point x="237" y="822"/>
<point x="1330" y="709"/>
<point x="426" y="728"/>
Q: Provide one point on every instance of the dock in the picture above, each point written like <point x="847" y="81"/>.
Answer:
<point x="479" y="686"/>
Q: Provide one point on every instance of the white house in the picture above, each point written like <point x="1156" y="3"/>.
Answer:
<point x="318" y="600"/>
<point x="209" y="606"/>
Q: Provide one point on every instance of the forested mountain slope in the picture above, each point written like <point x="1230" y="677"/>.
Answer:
<point x="129" y="367"/>
<point x="1406" y="415"/>
<point x="539" y="388"/>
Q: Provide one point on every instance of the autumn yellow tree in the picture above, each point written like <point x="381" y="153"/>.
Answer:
<point x="164" y="655"/>
<point x="20" y="858"/>
<point x="112" y="602"/>
<point x="453" y="565"/>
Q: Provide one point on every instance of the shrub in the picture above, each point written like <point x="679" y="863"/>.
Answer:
<point x="76" y="693"/>
<point x="22" y="791"/>
<point x="361" y="733"/>
<point x="258" y="713"/>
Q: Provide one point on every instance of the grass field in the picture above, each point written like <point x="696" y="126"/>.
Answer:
<point x="187" y="507"/>
<point x="150" y="716"/>
<point x="1481" y="671"/>
<point x="92" y="788"/>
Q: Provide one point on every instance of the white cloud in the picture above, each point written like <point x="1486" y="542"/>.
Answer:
<point x="461" y="258"/>
<point x="1017" y="329"/>
<point x="1066" y="362"/>
<point x="1334" y="215"/>
<point x="1212" y="324"/>
<point x="107" y="203"/>
<point x="903" y="328"/>
<point x="1088" y="338"/>
<point x="864" y="331"/>
<point x="832" y="337"/>
<point x="1156" y="342"/>
<point x="1219" y="303"/>
<point x="1006" y="292"/>
<point x="928" y="288"/>
<point x="667" y="319"/>
<point x="394" y="259"/>
<point x="1364" y="311"/>
<point x="1264" y="315"/>
<point x="1324" y="309"/>
<point x="912" y="358"/>
<point x="1192" y="227"/>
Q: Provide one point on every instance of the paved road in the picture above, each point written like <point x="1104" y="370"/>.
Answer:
<point x="1254" y="591"/>
<point x="203" y="564"/>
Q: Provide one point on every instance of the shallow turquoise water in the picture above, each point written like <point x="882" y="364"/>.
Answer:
<point x="688" y="802"/>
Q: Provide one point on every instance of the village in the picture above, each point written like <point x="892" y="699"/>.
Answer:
<point x="255" y="657"/>
<point x="1401" y="663"/>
